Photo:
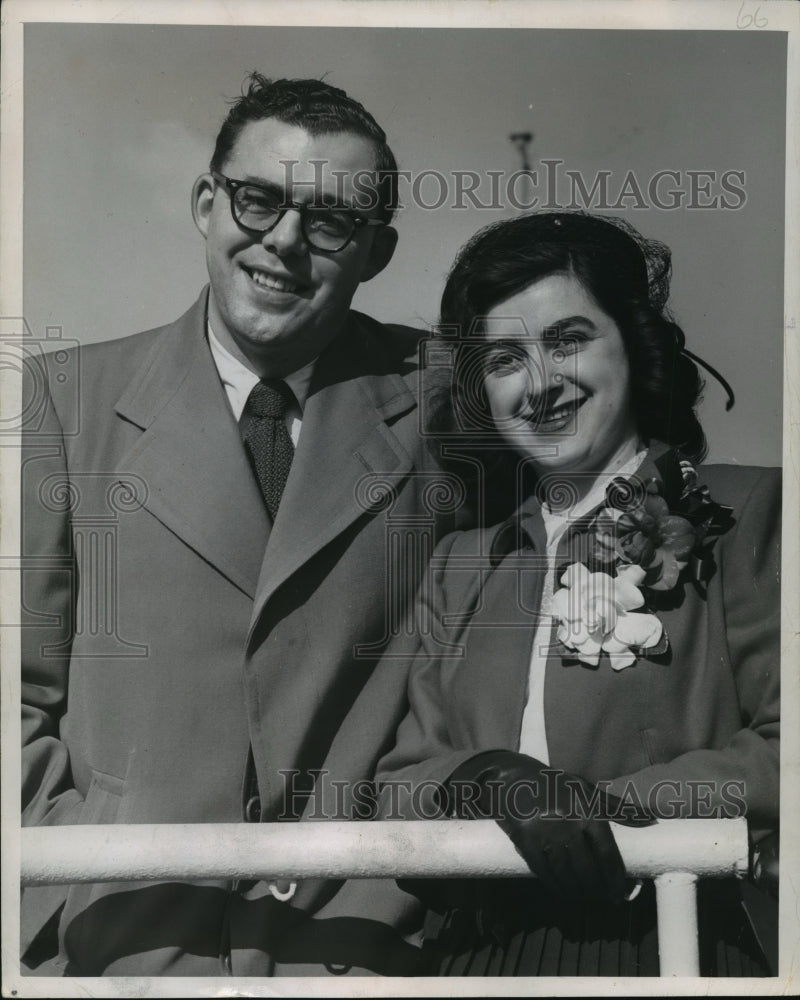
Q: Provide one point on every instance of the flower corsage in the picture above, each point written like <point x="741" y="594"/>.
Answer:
<point x="635" y="546"/>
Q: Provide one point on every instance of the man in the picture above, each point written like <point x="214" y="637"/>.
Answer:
<point x="208" y="581"/>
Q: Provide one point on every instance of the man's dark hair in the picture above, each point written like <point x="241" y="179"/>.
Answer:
<point x="318" y="108"/>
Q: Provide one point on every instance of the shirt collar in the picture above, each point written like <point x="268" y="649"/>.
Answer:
<point x="238" y="380"/>
<point x="596" y="494"/>
<point x="534" y="522"/>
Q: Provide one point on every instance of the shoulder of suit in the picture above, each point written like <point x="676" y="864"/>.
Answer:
<point x="98" y="371"/>
<point x="122" y="347"/>
<point x="460" y="564"/>
<point x="398" y="341"/>
<point x="107" y="365"/>
<point x="469" y="542"/>
<point x="119" y="349"/>
<point x="753" y="493"/>
<point x="735" y="484"/>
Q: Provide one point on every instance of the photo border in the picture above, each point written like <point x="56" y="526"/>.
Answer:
<point x="709" y="15"/>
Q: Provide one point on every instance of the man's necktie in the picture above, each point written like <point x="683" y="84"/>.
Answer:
<point x="266" y="438"/>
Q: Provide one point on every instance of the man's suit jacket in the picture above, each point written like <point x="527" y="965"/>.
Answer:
<point x="693" y="731"/>
<point x="169" y="627"/>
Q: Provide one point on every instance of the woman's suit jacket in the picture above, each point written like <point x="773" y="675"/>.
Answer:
<point x="704" y="716"/>
<point x="169" y="627"/>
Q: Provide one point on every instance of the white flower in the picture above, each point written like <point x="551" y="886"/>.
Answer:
<point x="597" y="615"/>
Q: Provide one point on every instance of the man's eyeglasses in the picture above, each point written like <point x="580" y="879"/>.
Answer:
<point x="258" y="210"/>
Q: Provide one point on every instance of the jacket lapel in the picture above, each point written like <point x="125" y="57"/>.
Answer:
<point x="501" y="636"/>
<point x="345" y="443"/>
<point x="190" y="455"/>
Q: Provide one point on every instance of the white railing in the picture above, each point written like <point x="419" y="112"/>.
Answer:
<point x="675" y="853"/>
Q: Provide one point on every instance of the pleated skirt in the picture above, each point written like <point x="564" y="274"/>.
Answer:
<point x="527" y="933"/>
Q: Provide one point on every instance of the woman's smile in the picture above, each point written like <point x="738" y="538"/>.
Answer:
<point x="555" y="417"/>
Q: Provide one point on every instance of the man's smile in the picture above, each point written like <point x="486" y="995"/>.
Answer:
<point x="272" y="282"/>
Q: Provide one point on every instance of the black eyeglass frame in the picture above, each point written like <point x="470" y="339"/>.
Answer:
<point x="232" y="186"/>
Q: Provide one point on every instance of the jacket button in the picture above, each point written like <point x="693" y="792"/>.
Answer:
<point x="252" y="811"/>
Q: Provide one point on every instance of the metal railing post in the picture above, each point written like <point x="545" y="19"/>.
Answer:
<point x="676" y="906"/>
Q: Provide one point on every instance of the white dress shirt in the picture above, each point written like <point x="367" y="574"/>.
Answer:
<point x="238" y="381"/>
<point x="533" y="738"/>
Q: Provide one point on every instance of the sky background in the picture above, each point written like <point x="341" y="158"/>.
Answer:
<point x="120" y="119"/>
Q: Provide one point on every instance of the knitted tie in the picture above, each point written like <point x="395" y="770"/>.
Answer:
<point x="266" y="438"/>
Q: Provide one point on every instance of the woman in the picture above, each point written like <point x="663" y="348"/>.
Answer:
<point x="616" y="632"/>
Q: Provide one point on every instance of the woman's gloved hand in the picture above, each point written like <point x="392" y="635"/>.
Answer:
<point x="558" y="822"/>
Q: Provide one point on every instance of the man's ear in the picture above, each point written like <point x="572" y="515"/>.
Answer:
<point x="381" y="252"/>
<point x="202" y="200"/>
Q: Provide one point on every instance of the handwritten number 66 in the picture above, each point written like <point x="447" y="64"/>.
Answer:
<point x="753" y="20"/>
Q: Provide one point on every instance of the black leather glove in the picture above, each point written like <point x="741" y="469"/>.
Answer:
<point x="557" y="821"/>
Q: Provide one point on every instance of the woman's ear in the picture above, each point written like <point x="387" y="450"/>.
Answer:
<point x="381" y="252"/>
<point x="202" y="201"/>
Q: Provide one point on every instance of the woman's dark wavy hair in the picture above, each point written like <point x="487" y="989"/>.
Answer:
<point x="627" y="276"/>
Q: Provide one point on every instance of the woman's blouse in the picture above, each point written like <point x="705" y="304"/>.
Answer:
<point x="533" y="736"/>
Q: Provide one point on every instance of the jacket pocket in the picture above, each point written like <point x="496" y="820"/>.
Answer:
<point x="40" y="904"/>
<point x="103" y="796"/>
<point x="101" y="805"/>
